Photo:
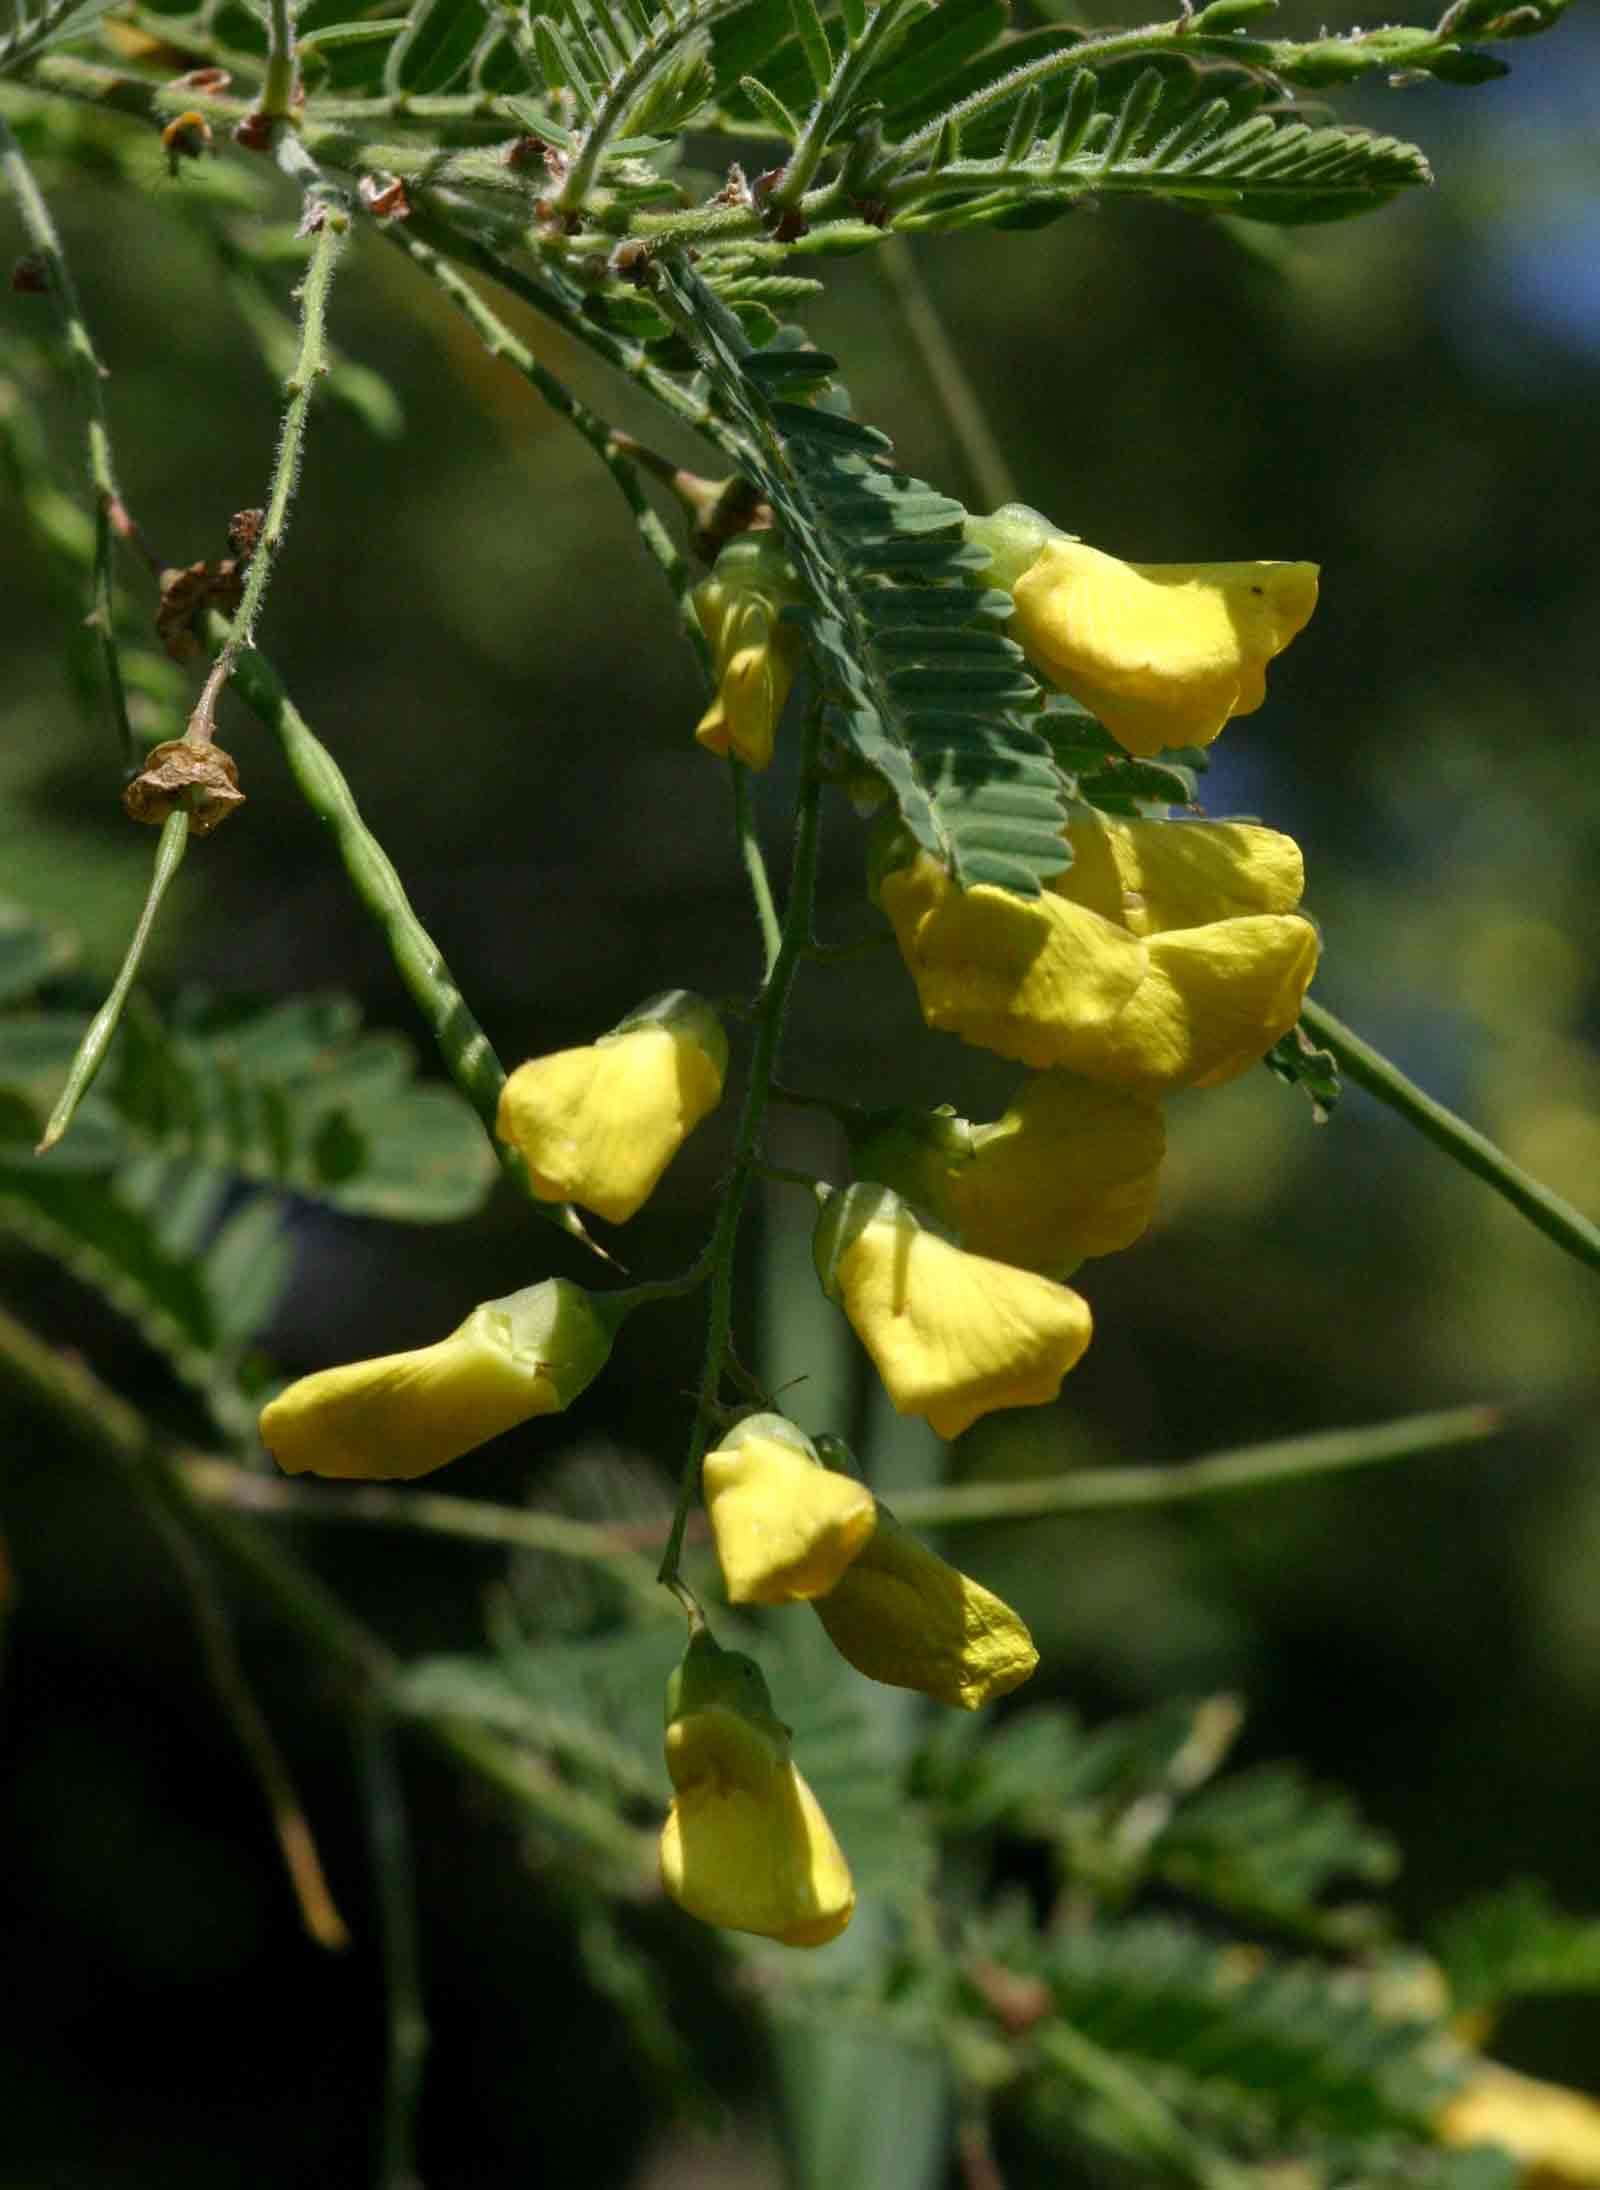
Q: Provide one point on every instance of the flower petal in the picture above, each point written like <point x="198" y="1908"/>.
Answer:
<point x="758" y="1860"/>
<point x="785" y="1527"/>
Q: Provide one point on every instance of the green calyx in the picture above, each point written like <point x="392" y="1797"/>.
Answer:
<point x="684" y="1014"/>
<point x="768" y="1429"/>
<point x="1014" y="536"/>
<point x="559" y="1326"/>
<point x="710" y="1679"/>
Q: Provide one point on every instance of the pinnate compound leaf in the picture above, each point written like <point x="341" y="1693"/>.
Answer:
<point x="1515" y="1943"/>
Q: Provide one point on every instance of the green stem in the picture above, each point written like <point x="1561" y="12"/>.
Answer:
<point x="795" y="936"/>
<point x="462" y="1043"/>
<point x="499" y="341"/>
<point x="755" y="867"/>
<point x="822" y="124"/>
<point x="170" y="848"/>
<point x="394" y="1878"/>
<point x="470" y="1520"/>
<point x="311" y="363"/>
<point x="946" y="375"/>
<point x="278" y="84"/>
<point x="45" y="241"/>
<point x="1251" y="1467"/>
<point x="1556" y="1218"/>
<point x="1143" y="2113"/>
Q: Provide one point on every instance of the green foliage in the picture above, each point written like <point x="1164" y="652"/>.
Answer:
<point x="1516" y="1943"/>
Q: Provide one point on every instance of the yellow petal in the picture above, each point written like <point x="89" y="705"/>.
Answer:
<point x="1216" y="1001"/>
<point x="757" y="1859"/>
<point x="785" y="1527"/>
<point x="599" y="1125"/>
<point x="1033" y="978"/>
<point x="404" y="1414"/>
<point x="1163" y="653"/>
<point x="754" y="653"/>
<point x="1150" y="876"/>
<point x="1552" y="2132"/>
<point x="1071" y="1169"/>
<point x="904" y="1616"/>
<point x="954" y="1336"/>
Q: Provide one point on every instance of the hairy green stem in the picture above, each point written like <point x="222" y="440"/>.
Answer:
<point x="394" y="1879"/>
<point x="832" y="105"/>
<point x="278" y="83"/>
<point x="45" y="241"/>
<point x="1250" y="1467"/>
<point x="498" y="339"/>
<point x="312" y="362"/>
<point x="796" y="934"/>
<point x="755" y="867"/>
<point x="170" y="848"/>
<point x="1557" y="1219"/>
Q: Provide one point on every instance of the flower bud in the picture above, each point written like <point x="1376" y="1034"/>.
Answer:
<point x="1162" y="653"/>
<point x="1070" y="1169"/>
<point x="784" y="1527"/>
<point x="904" y="1616"/>
<point x="745" y="1844"/>
<point x="953" y="1335"/>
<point x="599" y="1125"/>
<point x="403" y="1415"/>
<point x="754" y="652"/>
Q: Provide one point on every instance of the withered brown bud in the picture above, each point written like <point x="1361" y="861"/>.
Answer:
<point x="254" y="132"/>
<point x="185" y="593"/>
<point x="30" y="277"/>
<point x="202" y="79"/>
<point x="384" y="197"/>
<point x="244" y="532"/>
<point x="631" y="262"/>
<point x="872" y="210"/>
<point x="185" y="772"/>
<point x="185" y="137"/>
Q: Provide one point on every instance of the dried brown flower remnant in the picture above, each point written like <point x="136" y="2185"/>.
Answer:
<point x="201" y="776"/>
<point x="187" y="593"/>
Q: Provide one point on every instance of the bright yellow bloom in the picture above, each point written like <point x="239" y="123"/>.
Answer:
<point x="1553" y="2133"/>
<point x="953" y="1335"/>
<point x="406" y="1414"/>
<point x="1070" y="1169"/>
<point x="599" y="1125"/>
<point x="754" y="652"/>
<point x="902" y="1615"/>
<point x="1166" y="956"/>
<point x="785" y="1527"/>
<point x="745" y="1844"/>
<point x="1162" y="653"/>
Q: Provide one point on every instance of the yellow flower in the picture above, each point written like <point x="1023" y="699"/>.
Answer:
<point x="1070" y="1169"/>
<point x="406" y="1414"/>
<point x="599" y="1125"/>
<point x="785" y="1527"/>
<point x="754" y="653"/>
<point x="953" y="1335"/>
<point x="902" y="1615"/>
<point x="1553" y="2133"/>
<point x="1166" y="956"/>
<point x="745" y="1844"/>
<point x="1162" y="653"/>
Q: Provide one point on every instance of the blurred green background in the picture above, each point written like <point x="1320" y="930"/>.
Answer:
<point x="464" y="616"/>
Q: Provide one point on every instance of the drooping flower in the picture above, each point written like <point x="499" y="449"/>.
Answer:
<point x="404" y="1414"/>
<point x="902" y="1615"/>
<point x="1162" y="653"/>
<point x="953" y="1335"/>
<point x="1070" y="1169"/>
<point x="785" y="1527"/>
<point x="1166" y="956"/>
<point x="754" y="652"/>
<point x="1551" y="2132"/>
<point x="745" y="1844"/>
<point x="599" y="1125"/>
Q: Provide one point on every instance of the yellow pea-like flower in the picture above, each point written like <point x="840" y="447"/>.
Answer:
<point x="785" y="1527"/>
<point x="953" y="1335"/>
<point x="754" y="652"/>
<point x="904" y="1616"/>
<point x="1552" y="2133"/>
<point x="599" y="1125"/>
<point x="1162" y="653"/>
<point x="1070" y="1169"/>
<point x="404" y="1414"/>
<point x="1167" y="955"/>
<point x="745" y="1844"/>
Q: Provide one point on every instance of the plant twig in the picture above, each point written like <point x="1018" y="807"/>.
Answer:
<point x="45" y="242"/>
<point x="170" y="848"/>
<point x="331" y="234"/>
<point x="755" y="867"/>
<point x="389" y="1836"/>
<point x="964" y="415"/>
<point x="1251" y="1467"/>
<point x="797" y="927"/>
<point x="1369" y="1068"/>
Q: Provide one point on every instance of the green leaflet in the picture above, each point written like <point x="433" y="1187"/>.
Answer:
<point x="917" y="683"/>
<point x="1516" y="1943"/>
